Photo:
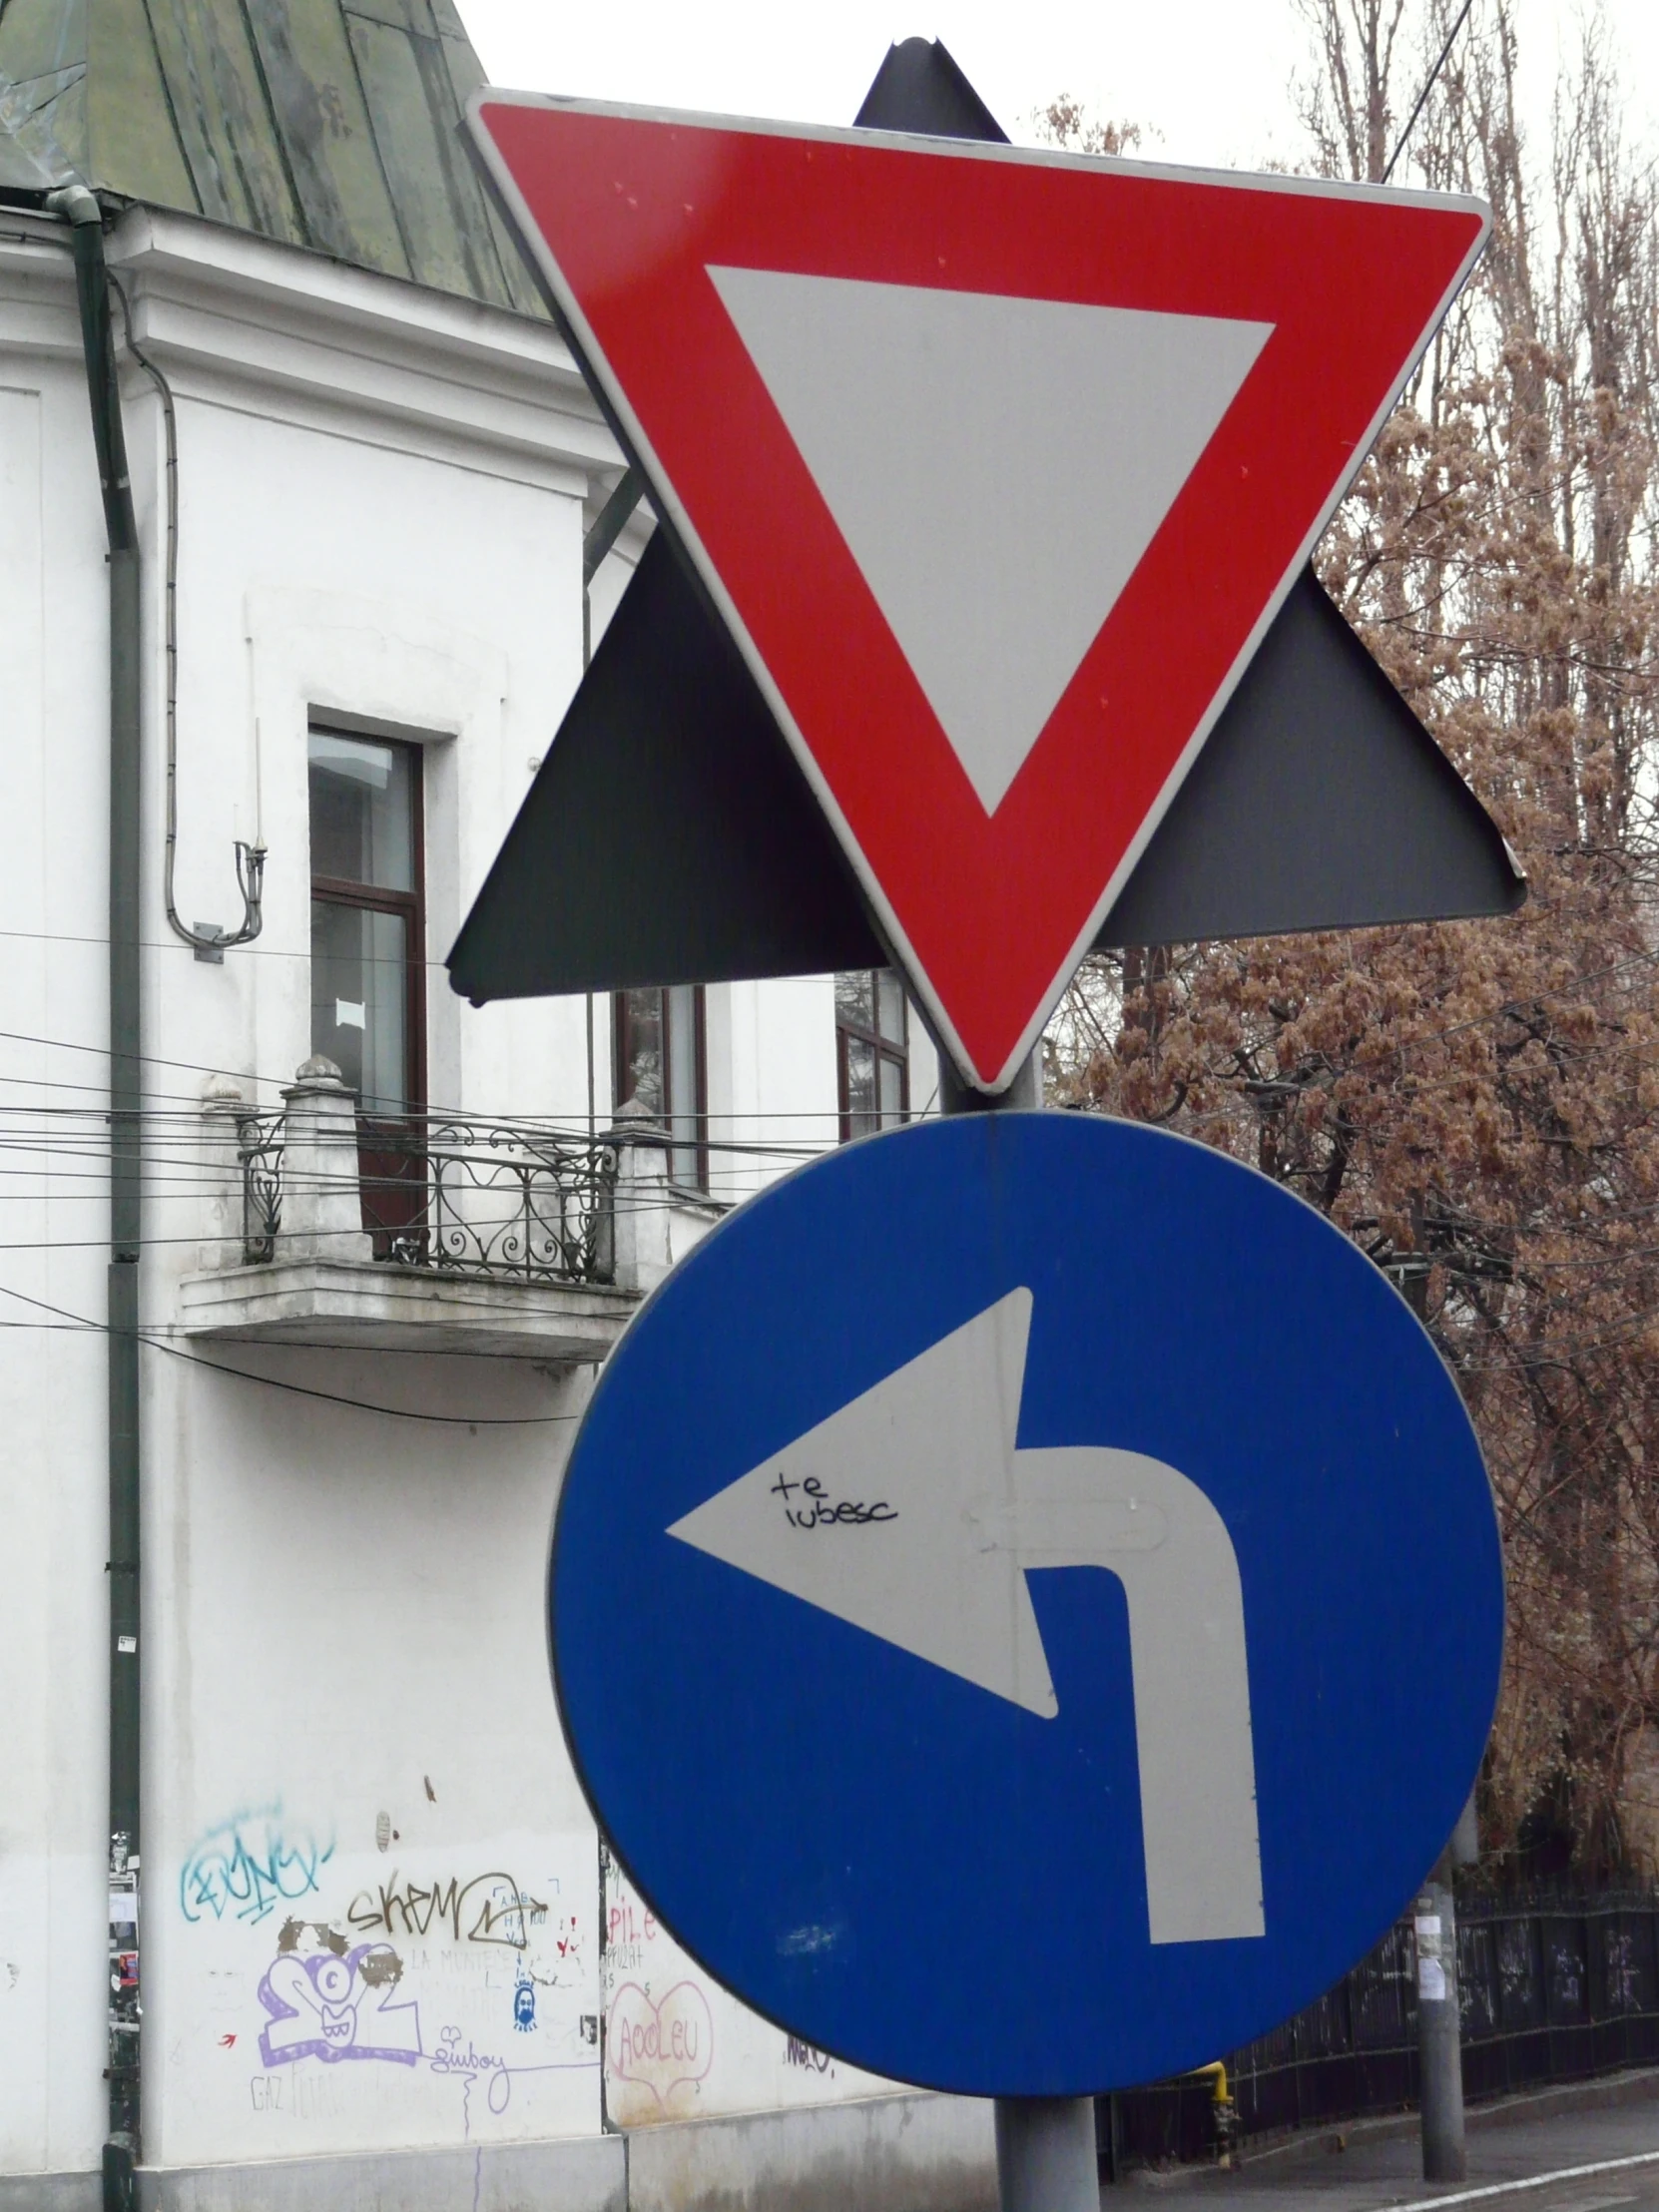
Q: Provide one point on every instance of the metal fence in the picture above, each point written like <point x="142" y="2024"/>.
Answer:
<point x="512" y="1200"/>
<point x="1552" y="1990"/>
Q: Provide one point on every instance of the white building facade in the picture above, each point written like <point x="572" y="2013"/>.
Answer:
<point x="379" y="1956"/>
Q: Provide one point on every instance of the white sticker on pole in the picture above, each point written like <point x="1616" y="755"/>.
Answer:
<point x="1431" y="1966"/>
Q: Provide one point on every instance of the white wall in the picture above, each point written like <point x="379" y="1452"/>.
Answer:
<point x="354" y="1742"/>
<point x="350" y="1733"/>
<point x="348" y="1722"/>
<point x="53" y="1223"/>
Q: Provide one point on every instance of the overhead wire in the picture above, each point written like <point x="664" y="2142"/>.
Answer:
<point x="1428" y="88"/>
<point x="59" y="1133"/>
<point x="190" y="1101"/>
<point x="1510" y="1009"/>
<point x="154" y="1343"/>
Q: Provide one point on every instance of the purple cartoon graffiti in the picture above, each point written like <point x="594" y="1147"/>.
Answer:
<point x="336" y="2003"/>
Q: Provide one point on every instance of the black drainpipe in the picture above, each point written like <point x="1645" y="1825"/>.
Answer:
<point x="79" y="206"/>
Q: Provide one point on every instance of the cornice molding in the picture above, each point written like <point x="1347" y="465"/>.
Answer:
<point x="294" y="335"/>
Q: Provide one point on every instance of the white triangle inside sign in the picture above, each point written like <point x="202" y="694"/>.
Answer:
<point x="997" y="467"/>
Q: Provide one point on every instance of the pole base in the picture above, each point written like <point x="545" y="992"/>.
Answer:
<point x="1047" y="2160"/>
<point x="119" y="2193"/>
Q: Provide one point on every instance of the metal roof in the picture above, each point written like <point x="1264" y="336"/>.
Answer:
<point x="330" y="124"/>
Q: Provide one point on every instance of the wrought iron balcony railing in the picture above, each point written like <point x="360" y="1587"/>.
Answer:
<point x="459" y="1196"/>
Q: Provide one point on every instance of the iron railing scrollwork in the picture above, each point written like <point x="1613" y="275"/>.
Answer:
<point x="260" y="1149"/>
<point x="501" y="1200"/>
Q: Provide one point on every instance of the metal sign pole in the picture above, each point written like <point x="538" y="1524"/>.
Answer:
<point x="1046" y="2155"/>
<point x="1046" y="2159"/>
<point x="1440" y="2052"/>
<point x="1439" y="2008"/>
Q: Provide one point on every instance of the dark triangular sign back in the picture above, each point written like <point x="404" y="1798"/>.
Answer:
<point x="670" y="836"/>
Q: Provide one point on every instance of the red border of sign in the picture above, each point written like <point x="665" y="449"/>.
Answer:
<point x="625" y="209"/>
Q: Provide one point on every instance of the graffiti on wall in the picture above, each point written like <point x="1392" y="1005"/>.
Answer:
<point x="665" y="2047"/>
<point x="677" y="2045"/>
<point x="807" y="2056"/>
<point x="489" y="1908"/>
<point x="326" y="2002"/>
<point x="404" y="1985"/>
<point x="503" y="1990"/>
<point x="247" y="1864"/>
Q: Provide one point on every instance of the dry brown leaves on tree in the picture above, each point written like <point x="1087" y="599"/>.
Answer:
<point x="1478" y="1103"/>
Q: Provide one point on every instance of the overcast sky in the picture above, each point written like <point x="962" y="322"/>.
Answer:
<point x="1211" y="76"/>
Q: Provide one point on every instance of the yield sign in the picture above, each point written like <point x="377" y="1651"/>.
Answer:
<point x="997" y="464"/>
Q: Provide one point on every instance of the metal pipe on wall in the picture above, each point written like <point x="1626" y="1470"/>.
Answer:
<point x="81" y="210"/>
<point x="210" y="943"/>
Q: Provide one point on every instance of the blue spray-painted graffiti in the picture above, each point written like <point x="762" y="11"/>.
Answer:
<point x="332" y="2007"/>
<point x="247" y="1864"/>
<point x="524" y="2004"/>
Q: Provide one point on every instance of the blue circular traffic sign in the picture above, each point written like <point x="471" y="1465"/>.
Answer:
<point x="1027" y="1603"/>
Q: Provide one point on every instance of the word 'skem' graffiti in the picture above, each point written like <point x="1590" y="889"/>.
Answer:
<point x="490" y="1908"/>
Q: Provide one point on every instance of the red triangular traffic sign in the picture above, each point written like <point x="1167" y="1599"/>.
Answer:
<point x="997" y="464"/>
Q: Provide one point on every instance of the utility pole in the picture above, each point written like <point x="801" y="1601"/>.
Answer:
<point x="1439" y="2019"/>
<point x="1046" y="2155"/>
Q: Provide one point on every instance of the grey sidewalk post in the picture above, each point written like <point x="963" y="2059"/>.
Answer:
<point x="1439" y="2014"/>
<point x="1045" y="2155"/>
<point x="1047" y="2160"/>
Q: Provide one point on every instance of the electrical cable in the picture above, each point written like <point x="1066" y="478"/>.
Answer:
<point x="549" y="1124"/>
<point x="298" y="1389"/>
<point x="1429" y="86"/>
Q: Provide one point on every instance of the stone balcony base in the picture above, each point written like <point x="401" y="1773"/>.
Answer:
<point x="374" y="1307"/>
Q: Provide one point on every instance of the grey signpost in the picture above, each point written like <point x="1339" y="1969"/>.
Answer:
<point x="1439" y="2022"/>
<point x="1439" y="2041"/>
<point x="1047" y="2158"/>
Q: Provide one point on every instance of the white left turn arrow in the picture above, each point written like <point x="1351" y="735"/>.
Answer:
<point x="910" y="1513"/>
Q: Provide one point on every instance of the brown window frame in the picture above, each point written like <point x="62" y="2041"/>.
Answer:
<point x="391" y="1149"/>
<point x="410" y="904"/>
<point x="885" y="1049"/>
<point x="622" y="1062"/>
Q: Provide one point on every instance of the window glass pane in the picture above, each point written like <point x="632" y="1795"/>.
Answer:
<point x="641" y="1076"/>
<point x="893" y="1091"/>
<point x="890" y="994"/>
<point x="862" y="1105"/>
<point x="360" y="1001"/>
<point x="855" y="1002"/>
<point x="362" y="811"/>
<point x="680" y="1003"/>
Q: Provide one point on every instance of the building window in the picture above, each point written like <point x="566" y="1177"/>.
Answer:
<point x="873" y="1051"/>
<point x="368" y="967"/>
<point x="367" y="927"/>
<point x="662" y="1062"/>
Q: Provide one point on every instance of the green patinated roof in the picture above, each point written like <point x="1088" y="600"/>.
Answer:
<point x="333" y="123"/>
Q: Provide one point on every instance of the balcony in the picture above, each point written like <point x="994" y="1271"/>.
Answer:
<point x="449" y="1234"/>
